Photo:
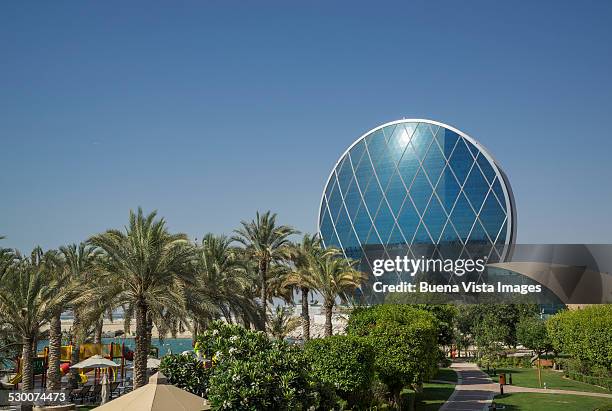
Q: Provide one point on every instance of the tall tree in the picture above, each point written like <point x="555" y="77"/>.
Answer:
<point x="489" y="336"/>
<point x="53" y="265"/>
<point x="303" y="255"/>
<point x="267" y="244"/>
<point x="223" y="283"/>
<point x="531" y="332"/>
<point x="148" y="267"/>
<point x="79" y="263"/>
<point x="333" y="276"/>
<point x="28" y="298"/>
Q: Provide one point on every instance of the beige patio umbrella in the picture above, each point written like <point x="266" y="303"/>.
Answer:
<point x="95" y="361"/>
<point x="157" y="395"/>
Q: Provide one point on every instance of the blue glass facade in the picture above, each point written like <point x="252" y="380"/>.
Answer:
<point x="417" y="184"/>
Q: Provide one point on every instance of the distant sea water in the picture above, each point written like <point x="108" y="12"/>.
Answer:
<point x="166" y="346"/>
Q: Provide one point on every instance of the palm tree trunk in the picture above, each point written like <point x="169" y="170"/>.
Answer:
<point x="329" y="308"/>
<point x="76" y="343"/>
<point x="305" y="315"/>
<point x="142" y="348"/>
<point x="54" y="379"/>
<point x="26" y="367"/>
<point x="264" y="293"/>
<point x="196" y="329"/>
<point x="149" y="330"/>
<point x="98" y="331"/>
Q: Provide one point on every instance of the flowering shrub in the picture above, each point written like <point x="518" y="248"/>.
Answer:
<point x="273" y="379"/>
<point x="186" y="372"/>
<point x="223" y="340"/>
<point x="252" y="372"/>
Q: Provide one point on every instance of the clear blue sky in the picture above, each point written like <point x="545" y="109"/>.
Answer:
<point x="208" y="111"/>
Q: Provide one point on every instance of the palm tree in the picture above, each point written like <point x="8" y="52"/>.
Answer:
<point x="53" y="265"/>
<point x="303" y="255"/>
<point x="28" y="298"/>
<point x="266" y="244"/>
<point x="147" y="267"/>
<point x="7" y="257"/>
<point x="333" y="276"/>
<point x="79" y="263"/>
<point x="223" y="283"/>
<point x="281" y="322"/>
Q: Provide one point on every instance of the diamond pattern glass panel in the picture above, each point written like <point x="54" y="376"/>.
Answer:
<point x="421" y="191"/>
<point x="412" y="186"/>
<point x="447" y="189"/>
<point x="476" y="188"/>
<point x="434" y="163"/>
<point x="434" y="219"/>
<point x="396" y="193"/>
<point x="461" y="161"/>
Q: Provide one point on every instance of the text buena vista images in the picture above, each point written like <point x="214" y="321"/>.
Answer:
<point x="458" y="267"/>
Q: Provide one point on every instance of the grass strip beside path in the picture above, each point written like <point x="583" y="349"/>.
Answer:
<point x="552" y="402"/>
<point x="528" y="377"/>
<point x="433" y="396"/>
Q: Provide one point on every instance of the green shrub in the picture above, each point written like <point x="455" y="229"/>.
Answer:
<point x="405" y="342"/>
<point x="580" y="371"/>
<point x="273" y="379"/>
<point x="222" y="340"/>
<point x="584" y="334"/>
<point x="251" y="372"/>
<point x="589" y="379"/>
<point x="186" y="372"/>
<point x="345" y="363"/>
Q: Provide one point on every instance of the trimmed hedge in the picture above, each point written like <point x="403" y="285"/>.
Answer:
<point x="589" y="379"/>
<point x="509" y="362"/>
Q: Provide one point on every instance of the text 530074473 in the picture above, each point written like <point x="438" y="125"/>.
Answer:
<point x="32" y="397"/>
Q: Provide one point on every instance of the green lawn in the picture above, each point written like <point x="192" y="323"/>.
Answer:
<point x="528" y="377"/>
<point x="552" y="402"/>
<point x="434" y="394"/>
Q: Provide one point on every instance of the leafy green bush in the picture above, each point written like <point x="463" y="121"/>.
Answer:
<point x="345" y="363"/>
<point x="252" y="372"/>
<point x="405" y="342"/>
<point x="222" y="340"/>
<point x="275" y="378"/>
<point x="584" y="334"/>
<point x="186" y="372"/>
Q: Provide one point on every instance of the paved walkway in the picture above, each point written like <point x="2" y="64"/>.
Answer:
<point x="475" y="390"/>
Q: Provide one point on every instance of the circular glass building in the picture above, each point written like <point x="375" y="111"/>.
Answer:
<point x="419" y="188"/>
